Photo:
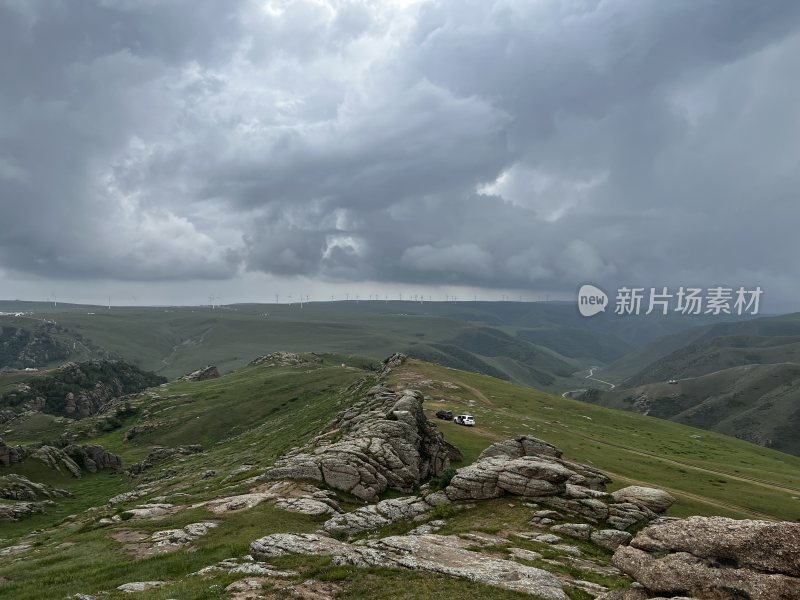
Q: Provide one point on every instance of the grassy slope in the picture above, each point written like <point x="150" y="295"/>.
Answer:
<point x="249" y="417"/>
<point x="758" y="403"/>
<point x="174" y="341"/>
<point x="710" y="474"/>
<point x="538" y="344"/>
<point x="711" y="347"/>
<point x="256" y="414"/>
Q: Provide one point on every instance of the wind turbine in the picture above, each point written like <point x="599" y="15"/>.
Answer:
<point x="53" y="296"/>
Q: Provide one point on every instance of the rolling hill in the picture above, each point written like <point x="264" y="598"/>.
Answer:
<point x="707" y="348"/>
<point x="538" y="344"/>
<point x="208" y="441"/>
<point x="740" y="379"/>
<point x="757" y="403"/>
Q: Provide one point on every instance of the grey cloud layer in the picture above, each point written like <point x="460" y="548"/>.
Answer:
<point x="483" y="143"/>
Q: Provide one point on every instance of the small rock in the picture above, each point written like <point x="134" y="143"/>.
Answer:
<point x="611" y="539"/>
<point x="141" y="586"/>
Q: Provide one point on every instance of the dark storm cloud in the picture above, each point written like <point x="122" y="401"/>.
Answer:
<point x="495" y="144"/>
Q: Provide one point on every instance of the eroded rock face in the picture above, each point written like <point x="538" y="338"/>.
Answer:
<point x="394" y="361"/>
<point x="716" y="558"/>
<point x="209" y="372"/>
<point x="531" y="468"/>
<point x="93" y="458"/>
<point x="56" y="459"/>
<point x="384" y="442"/>
<point x="428" y="552"/>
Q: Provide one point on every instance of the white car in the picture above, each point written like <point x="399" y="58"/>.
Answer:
<point x="467" y="420"/>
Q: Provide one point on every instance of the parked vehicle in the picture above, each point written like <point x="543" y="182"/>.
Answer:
<point x="467" y="420"/>
<point x="447" y="415"/>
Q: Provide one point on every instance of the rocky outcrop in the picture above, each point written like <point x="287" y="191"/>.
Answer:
<point x="93" y="458"/>
<point x="716" y="558"/>
<point x="209" y="372"/>
<point x="17" y="487"/>
<point x="18" y="510"/>
<point x="382" y="442"/>
<point x="159" y="454"/>
<point x="428" y="552"/>
<point x="492" y="477"/>
<point x="531" y="468"/>
<point x="292" y="496"/>
<point x="37" y="347"/>
<point x="72" y="459"/>
<point x="394" y="361"/>
<point x="56" y="459"/>
<point x="79" y="390"/>
<point x="286" y="359"/>
<point x="10" y="455"/>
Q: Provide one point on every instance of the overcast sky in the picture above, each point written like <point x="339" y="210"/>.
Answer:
<point x="168" y="150"/>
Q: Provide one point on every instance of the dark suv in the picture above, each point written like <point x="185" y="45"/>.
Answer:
<point x="447" y="415"/>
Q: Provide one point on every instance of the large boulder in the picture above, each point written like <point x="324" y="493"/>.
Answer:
<point x="716" y="558"/>
<point x="10" y="455"/>
<point x="93" y="458"/>
<point x="651" y="498"/>
<point x="159" y="454"/>
<point x="517" y="447"/>
<point x="382" y="442"/>
<point x="19" y="510"/>
<point x="492" y="477"/>
<point x="56" y="459"/>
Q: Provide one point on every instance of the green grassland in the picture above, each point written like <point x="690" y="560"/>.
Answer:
<point x="709" y="473"/>
<point x="254" y="415"/>
<point x="539" y="344"/>
<point x="708" y="348"/>
<point x="756" y="402"/>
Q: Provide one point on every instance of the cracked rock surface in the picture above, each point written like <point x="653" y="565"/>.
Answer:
<point x="428" y="552"/>
<point x="716" y="557"/>
<point x="382" y="442"/>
